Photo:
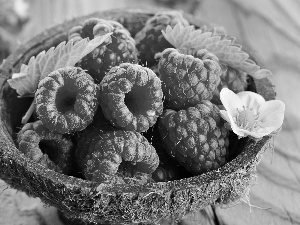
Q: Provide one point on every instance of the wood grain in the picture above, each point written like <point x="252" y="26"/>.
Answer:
<point x="17" y="208"/>
<point x="270" y="29"/>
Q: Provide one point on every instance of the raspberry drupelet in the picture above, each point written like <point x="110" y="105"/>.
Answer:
<point x="188" y="79"/>
<point x="131" y="97"/>
<point x="231" y="78"/>
<point x="106" y="154"/>
<point x="120" y="48"/>
<point x="66" y="100"/>
<point x="50" y="149"/>
<point x="87" y="139"/>
<point x="150" y="39"/>
<point x="195" y="137"/>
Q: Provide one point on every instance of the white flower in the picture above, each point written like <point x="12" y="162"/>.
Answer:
<point x="249" y="114"/>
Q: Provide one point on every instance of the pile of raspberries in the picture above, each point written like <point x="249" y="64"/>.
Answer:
<point x="112" y="119"/>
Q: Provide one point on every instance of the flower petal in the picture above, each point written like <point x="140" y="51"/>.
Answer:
<point x="271" y="114"/>
<point x="238" y="131"/>
<point x="260" y="132"/>
<point x="251" y="99"/>
<point x="230" y="101"/>
<point x="224" y="115"/>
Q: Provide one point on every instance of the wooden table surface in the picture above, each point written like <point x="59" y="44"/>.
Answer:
<point x="271" y="30"/>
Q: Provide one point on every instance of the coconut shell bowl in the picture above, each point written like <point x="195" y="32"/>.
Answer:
<point x="149" y="201"/>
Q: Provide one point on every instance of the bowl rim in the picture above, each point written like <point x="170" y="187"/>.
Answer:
<point x="9" y="152"/>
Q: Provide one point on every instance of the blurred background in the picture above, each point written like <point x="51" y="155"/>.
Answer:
<point x="270" y="29"/>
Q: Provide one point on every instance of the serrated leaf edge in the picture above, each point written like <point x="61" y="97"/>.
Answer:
<point x="224" y="47"/>
<point x="26" y="81"/>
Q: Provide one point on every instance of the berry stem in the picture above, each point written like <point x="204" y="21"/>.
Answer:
<point x="29" y="112"/>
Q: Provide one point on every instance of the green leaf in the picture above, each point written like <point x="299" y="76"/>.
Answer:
<point x="187" y="39"/>
<point x="65" y="54"/>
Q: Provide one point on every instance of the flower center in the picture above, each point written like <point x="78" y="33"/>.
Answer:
<point x="247" y="118"/>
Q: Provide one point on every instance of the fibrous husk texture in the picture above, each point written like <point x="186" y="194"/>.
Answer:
<point x="89" y="201"/>
<point x="125" y="204"/>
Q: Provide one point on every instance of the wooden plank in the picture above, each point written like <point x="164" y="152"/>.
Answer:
<point x="273" y="37"/>
<point x="18" y="208"/>
<point x="270" y="29"/>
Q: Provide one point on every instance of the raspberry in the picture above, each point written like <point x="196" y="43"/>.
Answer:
<point x="150" y="40"/>
<point x="168" y="168"/>
<point x="87" y="139"/>
<point x="66" y="100"/>
<point x="108" y="152"/>
<point x="188" y="80"/>
<point x="231" y="78"/>
<point x="126" y="173"/>
<point x="162" y="174"/>
<point x="204" y="54"/>
<point x="52" y="150"/>
<point x="121" y="47"/>
<point x="131" y="97"/>
<point x="195" y="137"/>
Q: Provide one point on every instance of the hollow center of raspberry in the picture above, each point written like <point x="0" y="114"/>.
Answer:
<point x="52" y="148"/>
<point x="135" y="100"/>
<point x="247" y="119"/>
<point x="127" y="169"/>
<point x="65" y="100"/>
